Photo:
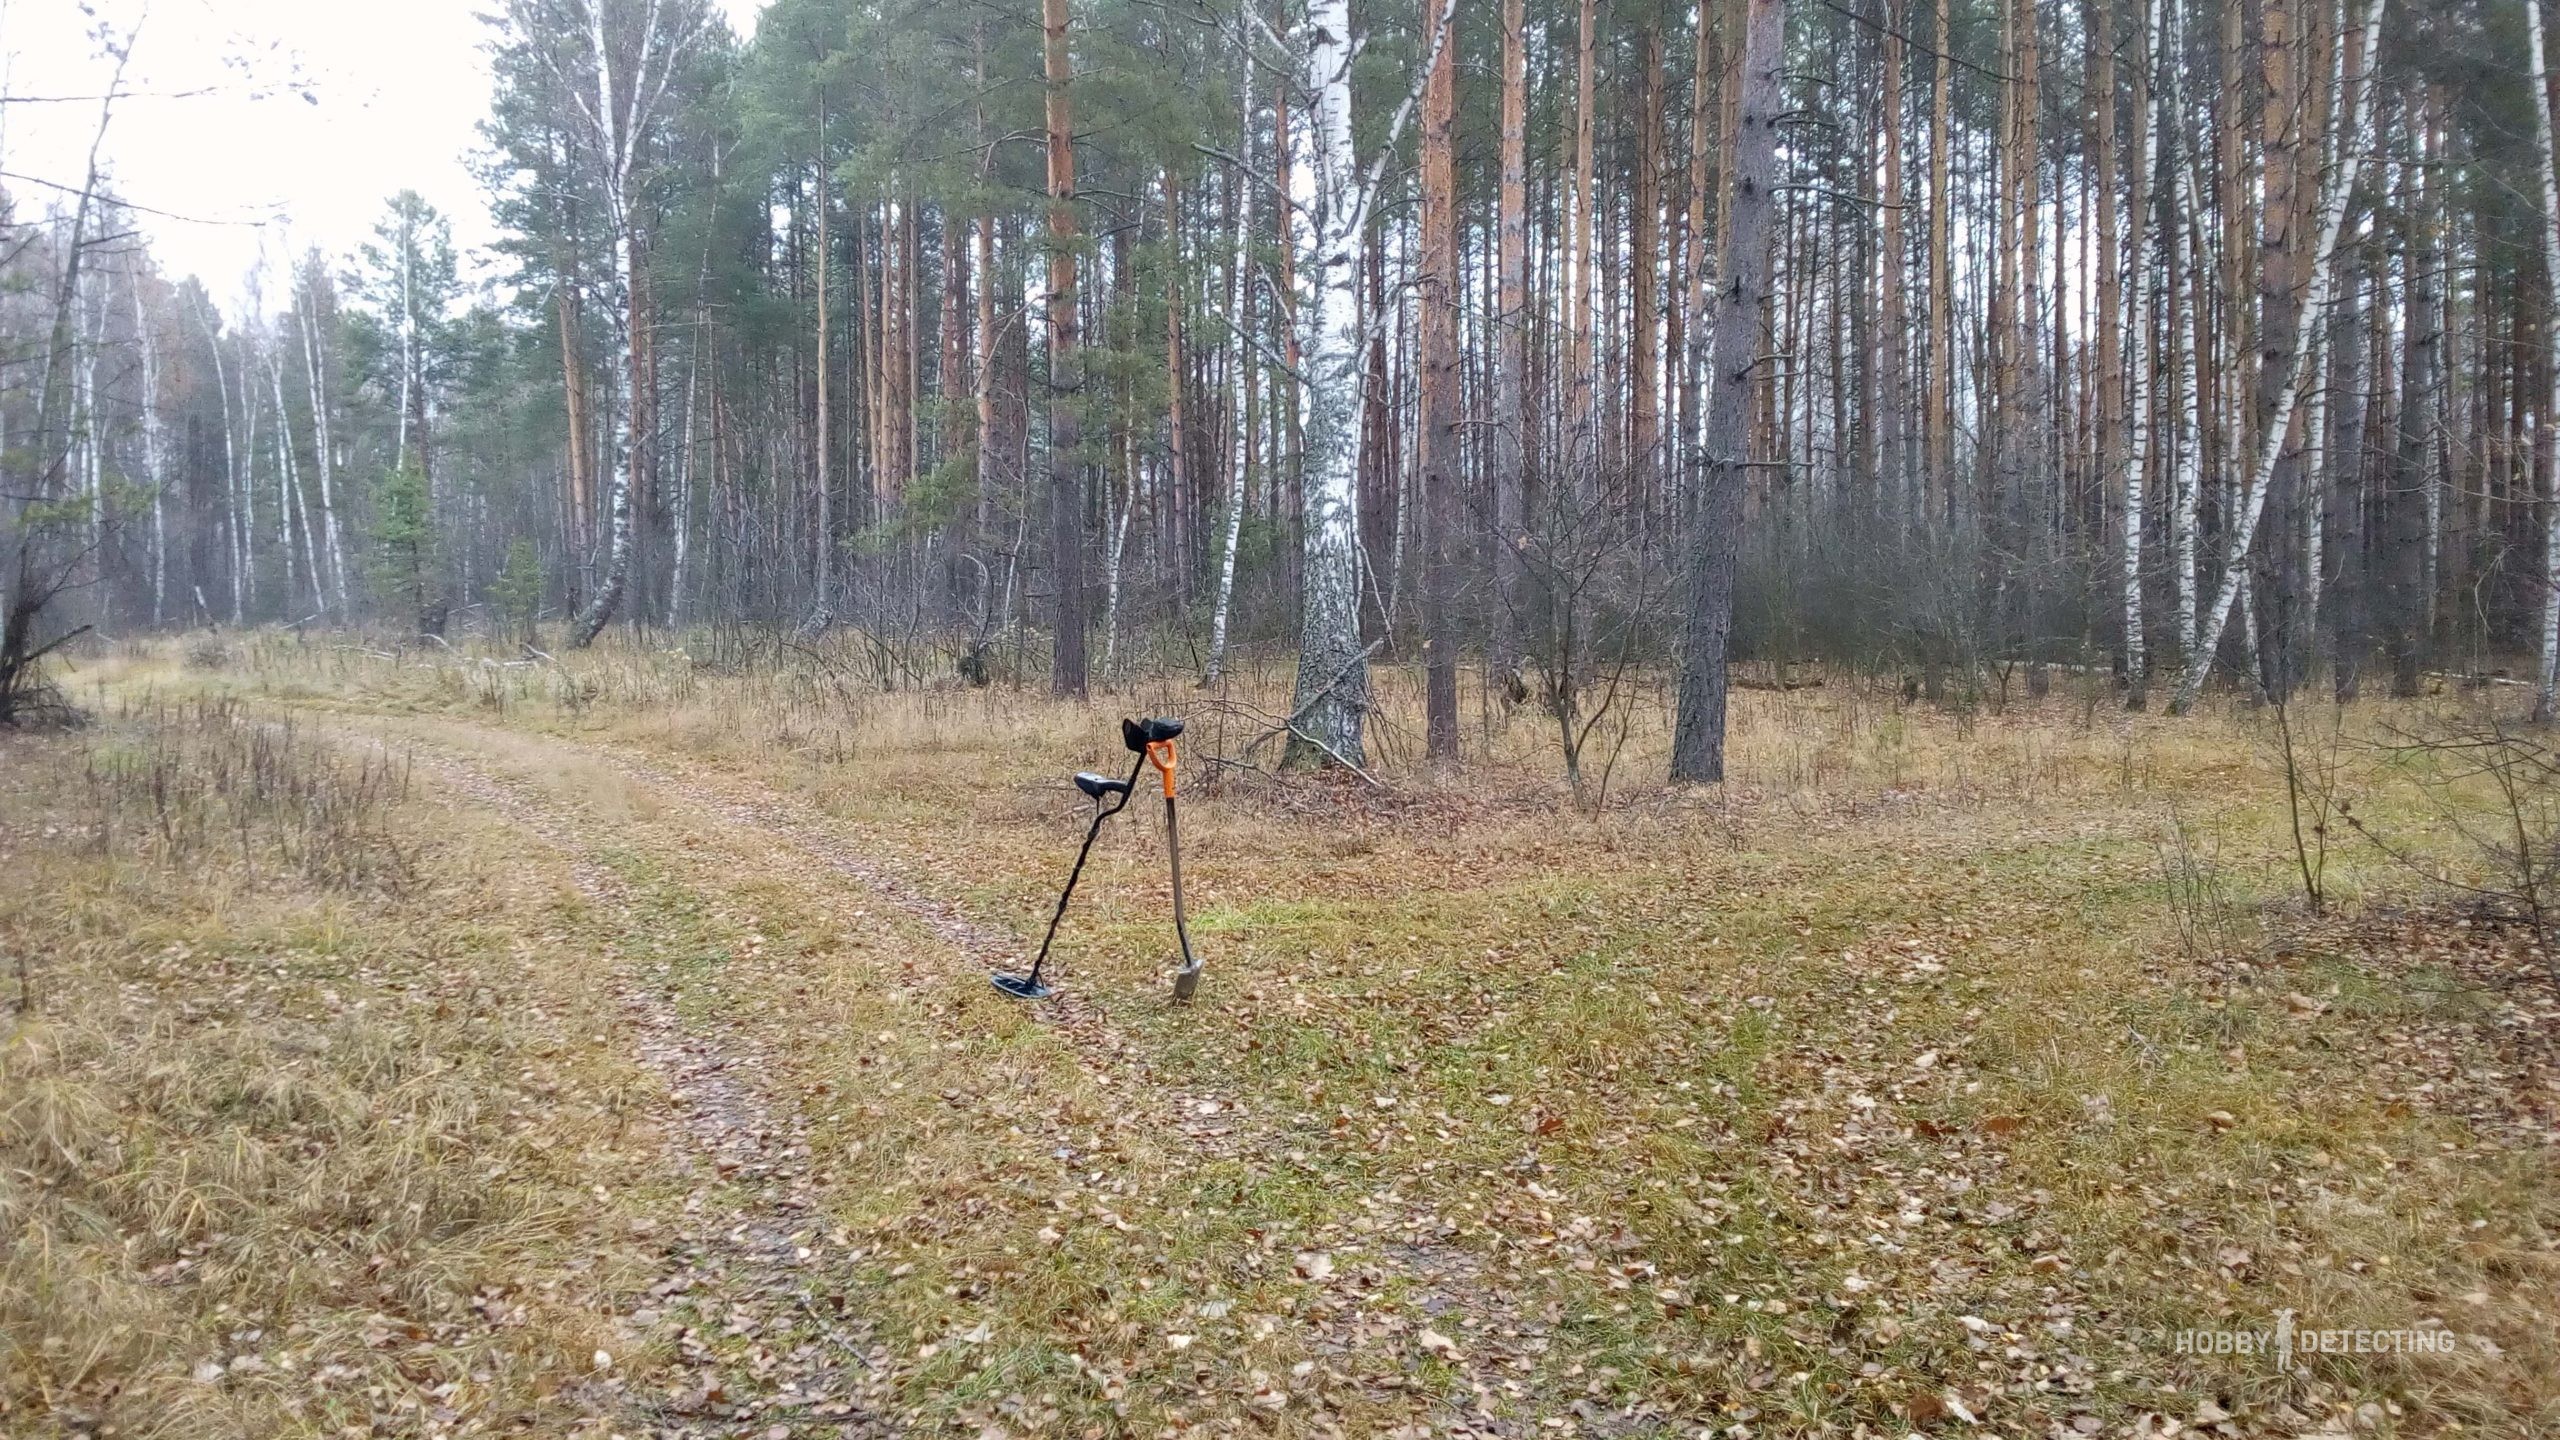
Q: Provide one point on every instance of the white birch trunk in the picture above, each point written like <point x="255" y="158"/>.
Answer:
<point x="151" y="455"/>
<point x="1332" y="694"/>
<point x="617" y="454"/>
<point x="619" y="125"/>
<point x="2188" y="497"/>
<point x="2138" y="403"/>
<point x="230" y="475"/>
<point x="684" y="490"/>
<point x="2547" y="678"/>
<point x="2315" y="316"/>
<point x="289" y="484"/>
<point x="409" y="331"/>
<point x="1123" y="504"/>
<point x="1240" y="379"/>
<point x="323" y="448"/>
<point x="84" y="400"/>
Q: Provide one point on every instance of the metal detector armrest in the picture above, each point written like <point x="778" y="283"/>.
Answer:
<point x="1097" y="787"/>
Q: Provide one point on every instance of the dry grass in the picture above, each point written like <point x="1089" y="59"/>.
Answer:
<point x="1938" y="1064"/>
<point x="297" y="1134"/>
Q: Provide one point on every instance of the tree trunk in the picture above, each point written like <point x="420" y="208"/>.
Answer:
<point x="1579" y="259"/>
<point x="2134" y="389"/>
<point x="315" y="372"/>
<point x="1177" y="549"/>
<point x="1697" y="745"/>
<point x="1440" y="440"/>
<point x="1332" y="692"/>
<point x="2547" y="675"/>
<point x="1893" y="389"/>
<point x="1511" y="420"/>
<point x="618" y="400"/>
<point x="822" y="480"/>
<point x="1644" y="425"/>
<point x="2315" y="310"/>
<point x="1942" y="349"/>
<point x="1243" y="363"/>
<point x="1066" y="378"/>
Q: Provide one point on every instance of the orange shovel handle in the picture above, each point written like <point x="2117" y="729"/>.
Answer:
<point x="1160" y="754"/>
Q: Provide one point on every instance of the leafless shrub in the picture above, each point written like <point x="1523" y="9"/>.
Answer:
<point x="208" y="653"/>
<point x="201" y="781"/>
<point x="2309" y="756"/>
<point x="2198" y="891"/>
<point x="2495" y="783"/>
<point x="1593" y="578"/>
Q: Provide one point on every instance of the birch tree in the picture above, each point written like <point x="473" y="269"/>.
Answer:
<point x="1242" y="360"/>
<point x="2547" y="674"/>
<point x="611" y="65"/>
<point x="2279" y="422"/>
<point x="1329" y="710"/>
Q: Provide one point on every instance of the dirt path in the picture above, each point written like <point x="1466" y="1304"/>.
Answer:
<point x="740" y="1130"/>
<point x="742" y="1263"/>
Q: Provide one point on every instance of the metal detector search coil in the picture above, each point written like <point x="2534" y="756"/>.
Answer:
<point x="1151" y="740"/>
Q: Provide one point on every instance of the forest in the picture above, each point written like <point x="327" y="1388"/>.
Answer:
<point x="1863" y="695"/>
<point x="2102" y="336"/>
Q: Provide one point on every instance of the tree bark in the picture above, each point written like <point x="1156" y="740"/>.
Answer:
<point x="2315" y="310"/>
<point x="1644" y="421"/>
<point x="1942" y="349"/>
<point x="1440" y="441"/>
<point x="1332" y="692"/>
<point x="1697" y="744"/>
<point x="1512" y="426"/>
<point x="1066" y="379"/>
<point x="2547" y="674"/>
<point x="1243" y="365"/>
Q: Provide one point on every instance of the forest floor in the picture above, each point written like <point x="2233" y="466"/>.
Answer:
<point x="421" y="1044"/>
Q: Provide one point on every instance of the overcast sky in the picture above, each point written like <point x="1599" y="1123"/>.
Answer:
<point x="250" y="170"/>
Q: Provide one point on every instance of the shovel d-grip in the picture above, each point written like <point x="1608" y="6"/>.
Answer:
<point x="1151" y="741"/>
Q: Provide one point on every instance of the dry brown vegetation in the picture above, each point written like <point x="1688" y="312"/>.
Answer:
<point x="1935" y="1072"/>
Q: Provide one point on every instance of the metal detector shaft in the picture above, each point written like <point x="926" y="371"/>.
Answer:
<point x="1031" y="983"/>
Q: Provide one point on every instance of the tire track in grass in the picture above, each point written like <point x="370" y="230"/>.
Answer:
<point x="1433" y="1278"/>
<point x="1371" y="1323"/>
<point x="747" y="1258"/>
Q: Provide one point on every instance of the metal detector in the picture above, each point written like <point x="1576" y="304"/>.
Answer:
<point x="1152" y="742"/>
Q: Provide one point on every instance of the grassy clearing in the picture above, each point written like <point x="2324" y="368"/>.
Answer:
<point x="1938" y="1066"/>
<point x="300" y="1133"/>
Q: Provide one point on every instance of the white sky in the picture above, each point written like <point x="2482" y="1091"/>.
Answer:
<point x="258" y="171"/>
